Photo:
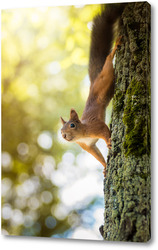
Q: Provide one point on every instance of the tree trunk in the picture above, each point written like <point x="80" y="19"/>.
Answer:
<point x="127" y="185"/>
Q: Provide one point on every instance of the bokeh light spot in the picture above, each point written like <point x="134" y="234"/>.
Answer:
<point x="45" y="140"/>
<point x="46" y="197"/>
<point x="6" y="160"/>
<point x="53" y="68"/>
<point x="50" y="222"/>
<point x="28" y="221"/>
<point x="6" y="211"/>
<point x="17" y="217"/>
<point x="33" y="203"/>
<point x="23" y="148"/>
<point x="48" y="166"/>
<point x="68" y="158"/>
<point x="6" y="186"/>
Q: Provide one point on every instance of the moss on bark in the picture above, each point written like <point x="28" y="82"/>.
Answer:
<point x="127" y="185"/>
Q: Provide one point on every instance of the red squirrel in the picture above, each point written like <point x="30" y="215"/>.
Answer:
<point x="91" y="127"/>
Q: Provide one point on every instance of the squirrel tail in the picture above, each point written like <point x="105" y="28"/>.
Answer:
<point x="102" y="36"/>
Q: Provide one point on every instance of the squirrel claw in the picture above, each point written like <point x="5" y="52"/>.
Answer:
<point x="109" y="144"/>
<point x="104" y="172"/>
<point x="118" y="41"/>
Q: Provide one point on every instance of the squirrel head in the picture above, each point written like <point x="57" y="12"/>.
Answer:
<point x="73" y="129"/>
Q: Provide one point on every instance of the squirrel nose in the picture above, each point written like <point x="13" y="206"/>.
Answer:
<point x="64" y="135"/>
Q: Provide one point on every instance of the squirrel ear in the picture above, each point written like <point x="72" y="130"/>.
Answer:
<point x="73" y="115"/>
<point x="62" y="120"/>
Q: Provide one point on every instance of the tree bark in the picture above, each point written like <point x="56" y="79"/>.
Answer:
<point x="127" y="185"/>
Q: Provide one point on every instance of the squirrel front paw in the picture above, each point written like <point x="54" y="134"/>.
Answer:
<point x="109" y="144"/>
<point x="119" y="41"/>
<point x="104" y="172"/>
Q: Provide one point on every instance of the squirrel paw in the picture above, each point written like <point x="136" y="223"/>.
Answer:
<point x="109" y="143"/>
<point x="104" y="172"/>
<point x="118" y="41"/>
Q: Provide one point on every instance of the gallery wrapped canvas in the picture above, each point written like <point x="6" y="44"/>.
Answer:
<point x="76" y="134"/>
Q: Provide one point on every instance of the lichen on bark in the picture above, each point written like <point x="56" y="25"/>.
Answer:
<point x="127" y="185"/>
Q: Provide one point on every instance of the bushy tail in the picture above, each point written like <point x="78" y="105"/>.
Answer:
<point x="102" y="37"/>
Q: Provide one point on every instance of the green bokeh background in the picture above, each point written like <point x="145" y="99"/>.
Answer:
<point x="44" y="74"/>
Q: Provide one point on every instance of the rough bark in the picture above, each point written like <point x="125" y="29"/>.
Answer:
<point x="127" y="185"/>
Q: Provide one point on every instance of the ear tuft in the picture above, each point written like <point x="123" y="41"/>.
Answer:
<point x="62" y="120"/>
<point x="73" y="115"/>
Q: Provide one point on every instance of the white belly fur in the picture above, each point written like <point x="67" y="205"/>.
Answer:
<point x="87" y="140"/>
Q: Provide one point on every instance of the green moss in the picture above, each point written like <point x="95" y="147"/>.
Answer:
<point x="131" y="205"/>
<point x="114" y="213"/>
<point x="127" y="185"/>
<point x="144" y="175"/>
<point x="118" y="101"/>
<point x="136" y="120"/>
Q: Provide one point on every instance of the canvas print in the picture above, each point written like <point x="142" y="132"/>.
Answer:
<point x="76" y="134"/>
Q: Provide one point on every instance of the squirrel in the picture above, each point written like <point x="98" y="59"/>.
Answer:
<point x="91" y="127"/>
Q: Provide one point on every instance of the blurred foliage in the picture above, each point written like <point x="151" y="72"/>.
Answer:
<point x="44" y="74"/>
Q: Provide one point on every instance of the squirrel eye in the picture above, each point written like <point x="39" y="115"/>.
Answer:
<point x="72" y="125"/>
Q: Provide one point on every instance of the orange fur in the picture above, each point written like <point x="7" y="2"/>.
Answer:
<point x="92" y="127"/>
